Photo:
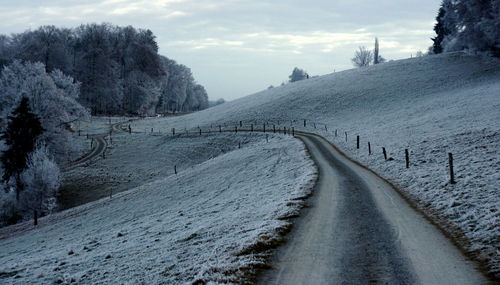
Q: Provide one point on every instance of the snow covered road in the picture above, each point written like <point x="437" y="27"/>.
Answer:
<point x="361" y="231"/>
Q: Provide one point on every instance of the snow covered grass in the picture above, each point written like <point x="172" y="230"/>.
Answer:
<point x="138" y="158"/>
<point x="431" y="105"/>
<point x="210" y="223"/>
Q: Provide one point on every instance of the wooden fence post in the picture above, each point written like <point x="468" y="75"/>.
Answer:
<point x="35" y="218"/>
<point x="407" y="158"/>
<point x="369" y="149"/>
<point x="357" y="142"/>
<point x="220" y="129"/>
<point x="251" y="127"/>
<point x="284" y="130"/>
<point x="241" y="123"/>
<point x="385" y="153"/>
<point x="315" y="125"/>
<point x="335" y="132"/>
<point x="452" y="174"/>
<point x="200" y="132"/>
<point x="304" y="123"/>
<point x="264" y="127"/>
<point x="173" y="131"/>
<point x="345" y="136"/>
<point x="239" y="145"/>
<point x="293" y="131"/>
<point x="235" y="129"/>
<point x="274" y="128"/>
<point x="175" y="169"/>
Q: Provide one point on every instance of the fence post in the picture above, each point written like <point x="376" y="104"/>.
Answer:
<point x="200" y="132"/>
<point x="274" y="128"/>
<point x="293" y="131"/>
<point x="452" y="174"/>
<point x="315" y="125"/>
<point x="345" y="136"/>
<point x="173" y="131"/>
<point x="35" y="218"/>
<point x="335" y="132"/>
<point x="284" y="130"/>
<point x="220" y="129"/>
<point x="239" y="145"/>
<point x="241" y="123"/>
<point x="251" y="127"/>
<point x="385" y="153"/>
<point x="151" y="130"/>
<point x="304" y="123"/>
<point x="264" y="128"/>
<point x="235" y="129"/>
<point x="369" y="149"/>
<point x="357" y="142"/>
<point x="175" y="169"/>
<point x="407" y="158"/>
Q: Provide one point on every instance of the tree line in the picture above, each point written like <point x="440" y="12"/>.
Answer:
<point x="119" y="68"/>
<point x="472" y="25"/>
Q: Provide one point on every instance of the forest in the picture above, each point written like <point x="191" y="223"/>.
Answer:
<point x="119" y="68"/>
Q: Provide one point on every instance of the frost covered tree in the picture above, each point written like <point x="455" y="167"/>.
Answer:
<point x="362" y="57"/>
<point x="21" y="135"/>
<point x="41" y="180"/>
<point x="298" y="74"/>
<point x="52" y="98"/>
<point x="472" y="25"/>
<point x="119" y="68"/>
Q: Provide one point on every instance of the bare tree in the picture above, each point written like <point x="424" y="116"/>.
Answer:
<point x="362" y="57"/>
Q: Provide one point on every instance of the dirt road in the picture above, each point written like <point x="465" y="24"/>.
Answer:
<point x="100" y="146"/>
<point x="360" y="231"/>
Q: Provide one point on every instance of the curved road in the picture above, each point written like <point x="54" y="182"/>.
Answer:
<point x="360" y="231"/>
<point x="99" y="147"/>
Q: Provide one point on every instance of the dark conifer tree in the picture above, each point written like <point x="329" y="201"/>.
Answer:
<point x="22" y="131"/>
<point x="441" y="32"/>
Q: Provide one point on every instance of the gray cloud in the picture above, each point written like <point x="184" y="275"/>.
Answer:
<point x="236" y="47"/>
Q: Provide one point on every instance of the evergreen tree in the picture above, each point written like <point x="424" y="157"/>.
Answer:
<point x="21" y="135"/>
<point x="441" y="31"/>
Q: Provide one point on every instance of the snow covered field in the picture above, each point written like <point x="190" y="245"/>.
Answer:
<point x="431" y="105"/>
<point x="211" y="222"/>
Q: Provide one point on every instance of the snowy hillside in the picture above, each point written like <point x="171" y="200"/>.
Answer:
<point x="215" y="219"/>
<point x="211" y="222"/>
<point x="430" y="105"/>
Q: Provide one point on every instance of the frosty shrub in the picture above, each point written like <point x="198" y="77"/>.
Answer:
<point x="41" y="181"/>
<point x="362" y="57"/>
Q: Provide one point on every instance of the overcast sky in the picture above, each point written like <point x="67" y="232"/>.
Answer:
<point x="239" y="47"/>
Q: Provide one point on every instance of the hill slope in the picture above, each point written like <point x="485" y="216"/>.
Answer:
<point x="430" y="105"/>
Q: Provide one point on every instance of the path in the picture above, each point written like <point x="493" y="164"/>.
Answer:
<point x="360" y="231"/>
<point x="99" y="147"/>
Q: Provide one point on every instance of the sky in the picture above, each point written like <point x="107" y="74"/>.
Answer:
<point x="239" y="47"/>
